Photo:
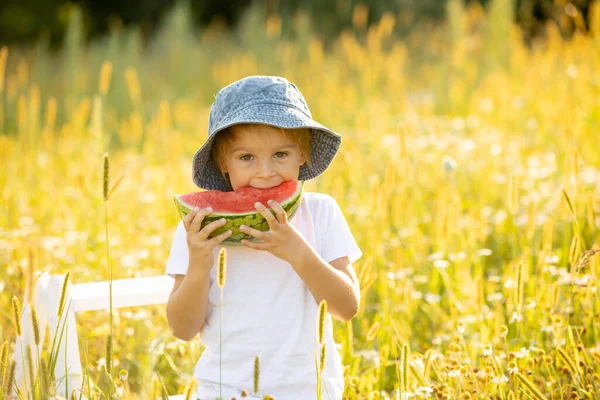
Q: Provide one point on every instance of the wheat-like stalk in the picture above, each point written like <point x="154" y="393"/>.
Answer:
<point x="519" y="288"/>
<point x="36" y="326"/>
<point x="404" y="385"/>
<point x="221" y="277"/>
<point x="321" y="321"/>
<point x="17" y="316"/>
<point x="30" y="366"/>
<point x="256" y="374"/>
<point x="106" y="196"/>
<point x="429" y="357"/>
<point x="63" y="294"/>
<point x="585" y="259"/>
<point x="534" y="391"/>
<point x="418" y="375"/>
<point x="10" y="377"/>
<point x="109" y="353"/>
<point x="46" y="376"/>
<point x="222" y="271"/>
<point x="4" y="363"/>
<point x="555" y="294"/>
<point x="4" y="358"/>
<point x="322" y="358"/>
<point x="106" y="177"/>
<point x="568" y="361"/>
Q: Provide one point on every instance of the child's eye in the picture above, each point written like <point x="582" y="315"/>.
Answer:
<point x="281" y="154"/>
<point x="246" y="157"/>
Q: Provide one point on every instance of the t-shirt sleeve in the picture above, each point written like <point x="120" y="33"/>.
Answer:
<point x="177" y="264"/>
<point x="336" y="238"/>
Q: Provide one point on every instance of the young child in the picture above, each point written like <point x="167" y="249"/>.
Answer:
<point x="261" y="134"/>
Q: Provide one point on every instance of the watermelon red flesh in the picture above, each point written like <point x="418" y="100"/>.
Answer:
<point x="240" y="201"/>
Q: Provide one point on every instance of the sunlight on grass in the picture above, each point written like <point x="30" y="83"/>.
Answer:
<point x="469" y="177"/>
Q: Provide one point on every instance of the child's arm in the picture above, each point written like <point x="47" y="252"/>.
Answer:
<point x="188" y="302"/>
<point x="334" y="282"/>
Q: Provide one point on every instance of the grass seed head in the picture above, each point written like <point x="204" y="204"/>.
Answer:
<point x="36" y="326"/>
<point x="17" y="316"/>
<point x="404" y="377"/>
<point x="63" y="294"/>
<point x="322" y="358"/>
<point x="10" y="377"/>
<point x="222" y="272"/>
<point x="109" y="355"/>
<point x="256" y="374"/>
<point x="321" y="320"/>
<point x="106" y="176"/>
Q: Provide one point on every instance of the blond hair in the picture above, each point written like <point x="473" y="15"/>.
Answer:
<point x="224" y="139"/>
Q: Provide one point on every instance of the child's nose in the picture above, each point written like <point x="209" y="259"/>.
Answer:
<point x="265" y="169"/>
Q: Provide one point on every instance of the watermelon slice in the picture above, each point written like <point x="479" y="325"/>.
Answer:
<point x="237" y="207"/>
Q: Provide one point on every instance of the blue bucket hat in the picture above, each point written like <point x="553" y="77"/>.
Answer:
<point x="268" y="100"/>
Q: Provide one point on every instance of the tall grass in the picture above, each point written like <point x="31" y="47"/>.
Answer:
<point x="468" y="174"/>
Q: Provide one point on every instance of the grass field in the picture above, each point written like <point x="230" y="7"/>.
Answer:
<point x="469" y="174"/>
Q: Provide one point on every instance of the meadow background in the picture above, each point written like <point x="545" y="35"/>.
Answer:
<point x="469" y="174"/>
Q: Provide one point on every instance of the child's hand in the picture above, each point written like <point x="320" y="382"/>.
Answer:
<point x="199" y="245"/>
<point x="282" y="239"/>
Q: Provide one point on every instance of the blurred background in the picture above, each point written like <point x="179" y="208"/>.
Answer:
<point x="23" y="21"/>
<point x="469" y="175"/>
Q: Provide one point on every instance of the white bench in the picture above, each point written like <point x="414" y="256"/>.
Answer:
<point x="81" y="297"/>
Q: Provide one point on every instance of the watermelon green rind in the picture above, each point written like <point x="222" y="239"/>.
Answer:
<point x="233" y="221"/>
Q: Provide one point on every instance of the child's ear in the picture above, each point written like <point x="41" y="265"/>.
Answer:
<point x="302" y="159"/>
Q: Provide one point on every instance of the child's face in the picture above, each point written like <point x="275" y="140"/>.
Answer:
<point x="261" y="156"/>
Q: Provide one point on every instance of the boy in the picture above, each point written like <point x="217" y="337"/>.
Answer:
<point x="261" y="134"/>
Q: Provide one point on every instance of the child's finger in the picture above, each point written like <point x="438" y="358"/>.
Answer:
<point x="198" y="218"/>
<point x="279" y="211"/>
<point x="255" y="245"/>
<point x="260" y="235"/>
<point x="208" y="229"/>
<point x="189" y="217"/>
<point x="264" y="211"/>
<point x="219" y="238"/>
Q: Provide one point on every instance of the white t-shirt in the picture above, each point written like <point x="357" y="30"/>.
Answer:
<point x="269" y="312"/>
